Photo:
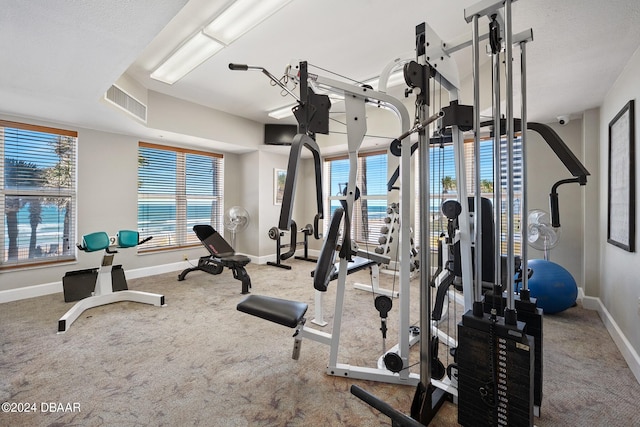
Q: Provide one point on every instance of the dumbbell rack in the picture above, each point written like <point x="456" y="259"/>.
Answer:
<point x="387" y="232"/>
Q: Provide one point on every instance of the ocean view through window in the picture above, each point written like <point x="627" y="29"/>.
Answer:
<point x="177" y="189"/>
<point x="38" y="184"/>
<point x="371" y="179"/>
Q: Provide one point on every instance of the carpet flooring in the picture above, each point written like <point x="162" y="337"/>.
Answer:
<point x="200" y="362"/>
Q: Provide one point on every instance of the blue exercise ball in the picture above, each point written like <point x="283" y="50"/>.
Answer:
<point x="552" y="285"/>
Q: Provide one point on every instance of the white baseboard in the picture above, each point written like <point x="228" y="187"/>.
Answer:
<point x="30" y="292"/>
<point x="56" y="287"/>
<point x="159" y="269"/>
<point x="628" y="352"/>
<point x="272" y="258"/>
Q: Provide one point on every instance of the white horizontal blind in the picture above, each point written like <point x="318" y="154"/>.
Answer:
<point x="443" y="183"/>
<point x="177" y="189"/>
<point x="371" y="179"/>
<point x="38" y="183"/>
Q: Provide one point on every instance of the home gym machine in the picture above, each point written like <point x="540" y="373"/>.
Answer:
<point x="103" y="289"/>
<point x="494" y="366"/>
<point x="393" y="366"/>
<point x="276" y="234"/>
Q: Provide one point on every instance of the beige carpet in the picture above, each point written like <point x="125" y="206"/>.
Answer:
<point x="200" y="362"/>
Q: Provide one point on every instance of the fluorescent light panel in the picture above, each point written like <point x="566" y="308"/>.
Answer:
<point x="240" y="17"/>
<point x="194" y="52"/>
<point x="283" y="112"/>
<point x="236" y="20"/>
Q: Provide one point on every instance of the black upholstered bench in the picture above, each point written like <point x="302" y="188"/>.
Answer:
<point x="221" y="255"/>
<point x="284" y="312"/>
<point x="291" y="313"/>
<point x="359" y="263"/>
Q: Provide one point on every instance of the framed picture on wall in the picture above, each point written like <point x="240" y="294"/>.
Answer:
<point x="279" y="177"/>
<point x="621" y="228"/>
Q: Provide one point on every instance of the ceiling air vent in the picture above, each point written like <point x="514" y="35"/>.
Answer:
<point x="128" y="103"/>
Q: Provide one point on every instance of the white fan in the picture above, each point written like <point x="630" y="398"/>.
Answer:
<point x="236" y="219"/>
<point x="540" y="234"/>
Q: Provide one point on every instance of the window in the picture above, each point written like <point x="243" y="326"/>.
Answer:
<point x="38" y="183"/>
<point x="370" y="210"/>
<point x="444" y="183"/>
<point x="177" y="189"/>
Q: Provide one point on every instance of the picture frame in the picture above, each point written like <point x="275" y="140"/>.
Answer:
<point x="621" y="209"/>
<point x="279" y="178"/>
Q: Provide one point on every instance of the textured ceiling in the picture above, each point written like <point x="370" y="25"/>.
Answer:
<point x="59" y="57"/>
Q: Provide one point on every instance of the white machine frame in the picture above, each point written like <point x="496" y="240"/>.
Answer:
<point x="103" y="293"/>
<point x="355" y="99"/>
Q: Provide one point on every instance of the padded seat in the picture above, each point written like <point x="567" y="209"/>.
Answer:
<point x="284" y="312"/>
<point x="359" y="263"/>
<point x="240" y="260"/>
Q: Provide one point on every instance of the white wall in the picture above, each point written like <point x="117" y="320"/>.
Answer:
<point x="170" y="114"/>
<point x="619" y="284"/>
<point x="591" y="201"/>
<point x="247" y="173"/>
<point x="270" y="212"/>
<point x="543" y="170"/>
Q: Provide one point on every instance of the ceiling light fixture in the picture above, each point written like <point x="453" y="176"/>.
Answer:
<point x="240" y="17"/>
<point x="283" y="112"/>
<point x="192" y="53"/>
<point x="233" y="22"/>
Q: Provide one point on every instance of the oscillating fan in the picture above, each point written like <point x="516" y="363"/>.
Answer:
<point x="236" y="219"/>
<point x="540" y="234"/>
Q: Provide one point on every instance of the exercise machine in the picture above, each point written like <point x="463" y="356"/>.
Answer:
<point x="494" y="356"/>
<point x="104" y="292"/>
<point x="355" y="99"/>
<point x="276" y="234"/>
<point x="221" y="255"/>
<point x="358" y="263"/>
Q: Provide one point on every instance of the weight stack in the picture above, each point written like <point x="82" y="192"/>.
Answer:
<point x="528" y="312"/>
<point x="495" y="373"/>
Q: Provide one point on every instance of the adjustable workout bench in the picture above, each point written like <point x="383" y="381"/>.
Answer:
<point x="221" y="255"/>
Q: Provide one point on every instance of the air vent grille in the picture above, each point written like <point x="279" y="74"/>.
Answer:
<point x="128" y="103"/>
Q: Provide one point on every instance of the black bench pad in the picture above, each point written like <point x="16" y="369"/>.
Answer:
<point x="232" y="260"/>
<point x="284" y="312"/>
<point x="358" y="264"/>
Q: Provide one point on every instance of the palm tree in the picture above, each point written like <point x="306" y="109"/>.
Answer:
<point x="448" y="183"/>
<point x="35" y="218"/>
<point x="486" y="186"/>
<point x="61" y="176"/>
<point x="18" y="173"/>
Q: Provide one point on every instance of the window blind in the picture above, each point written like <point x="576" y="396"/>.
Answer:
<point x="370" y="209"/>
<point x="444" y="184"/>
<point x="177" y="189"/>
<point x="38" y="183"/>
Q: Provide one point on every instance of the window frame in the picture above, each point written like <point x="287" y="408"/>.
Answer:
<point x="181" y="197"/>
<point x="65" y="250"/>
